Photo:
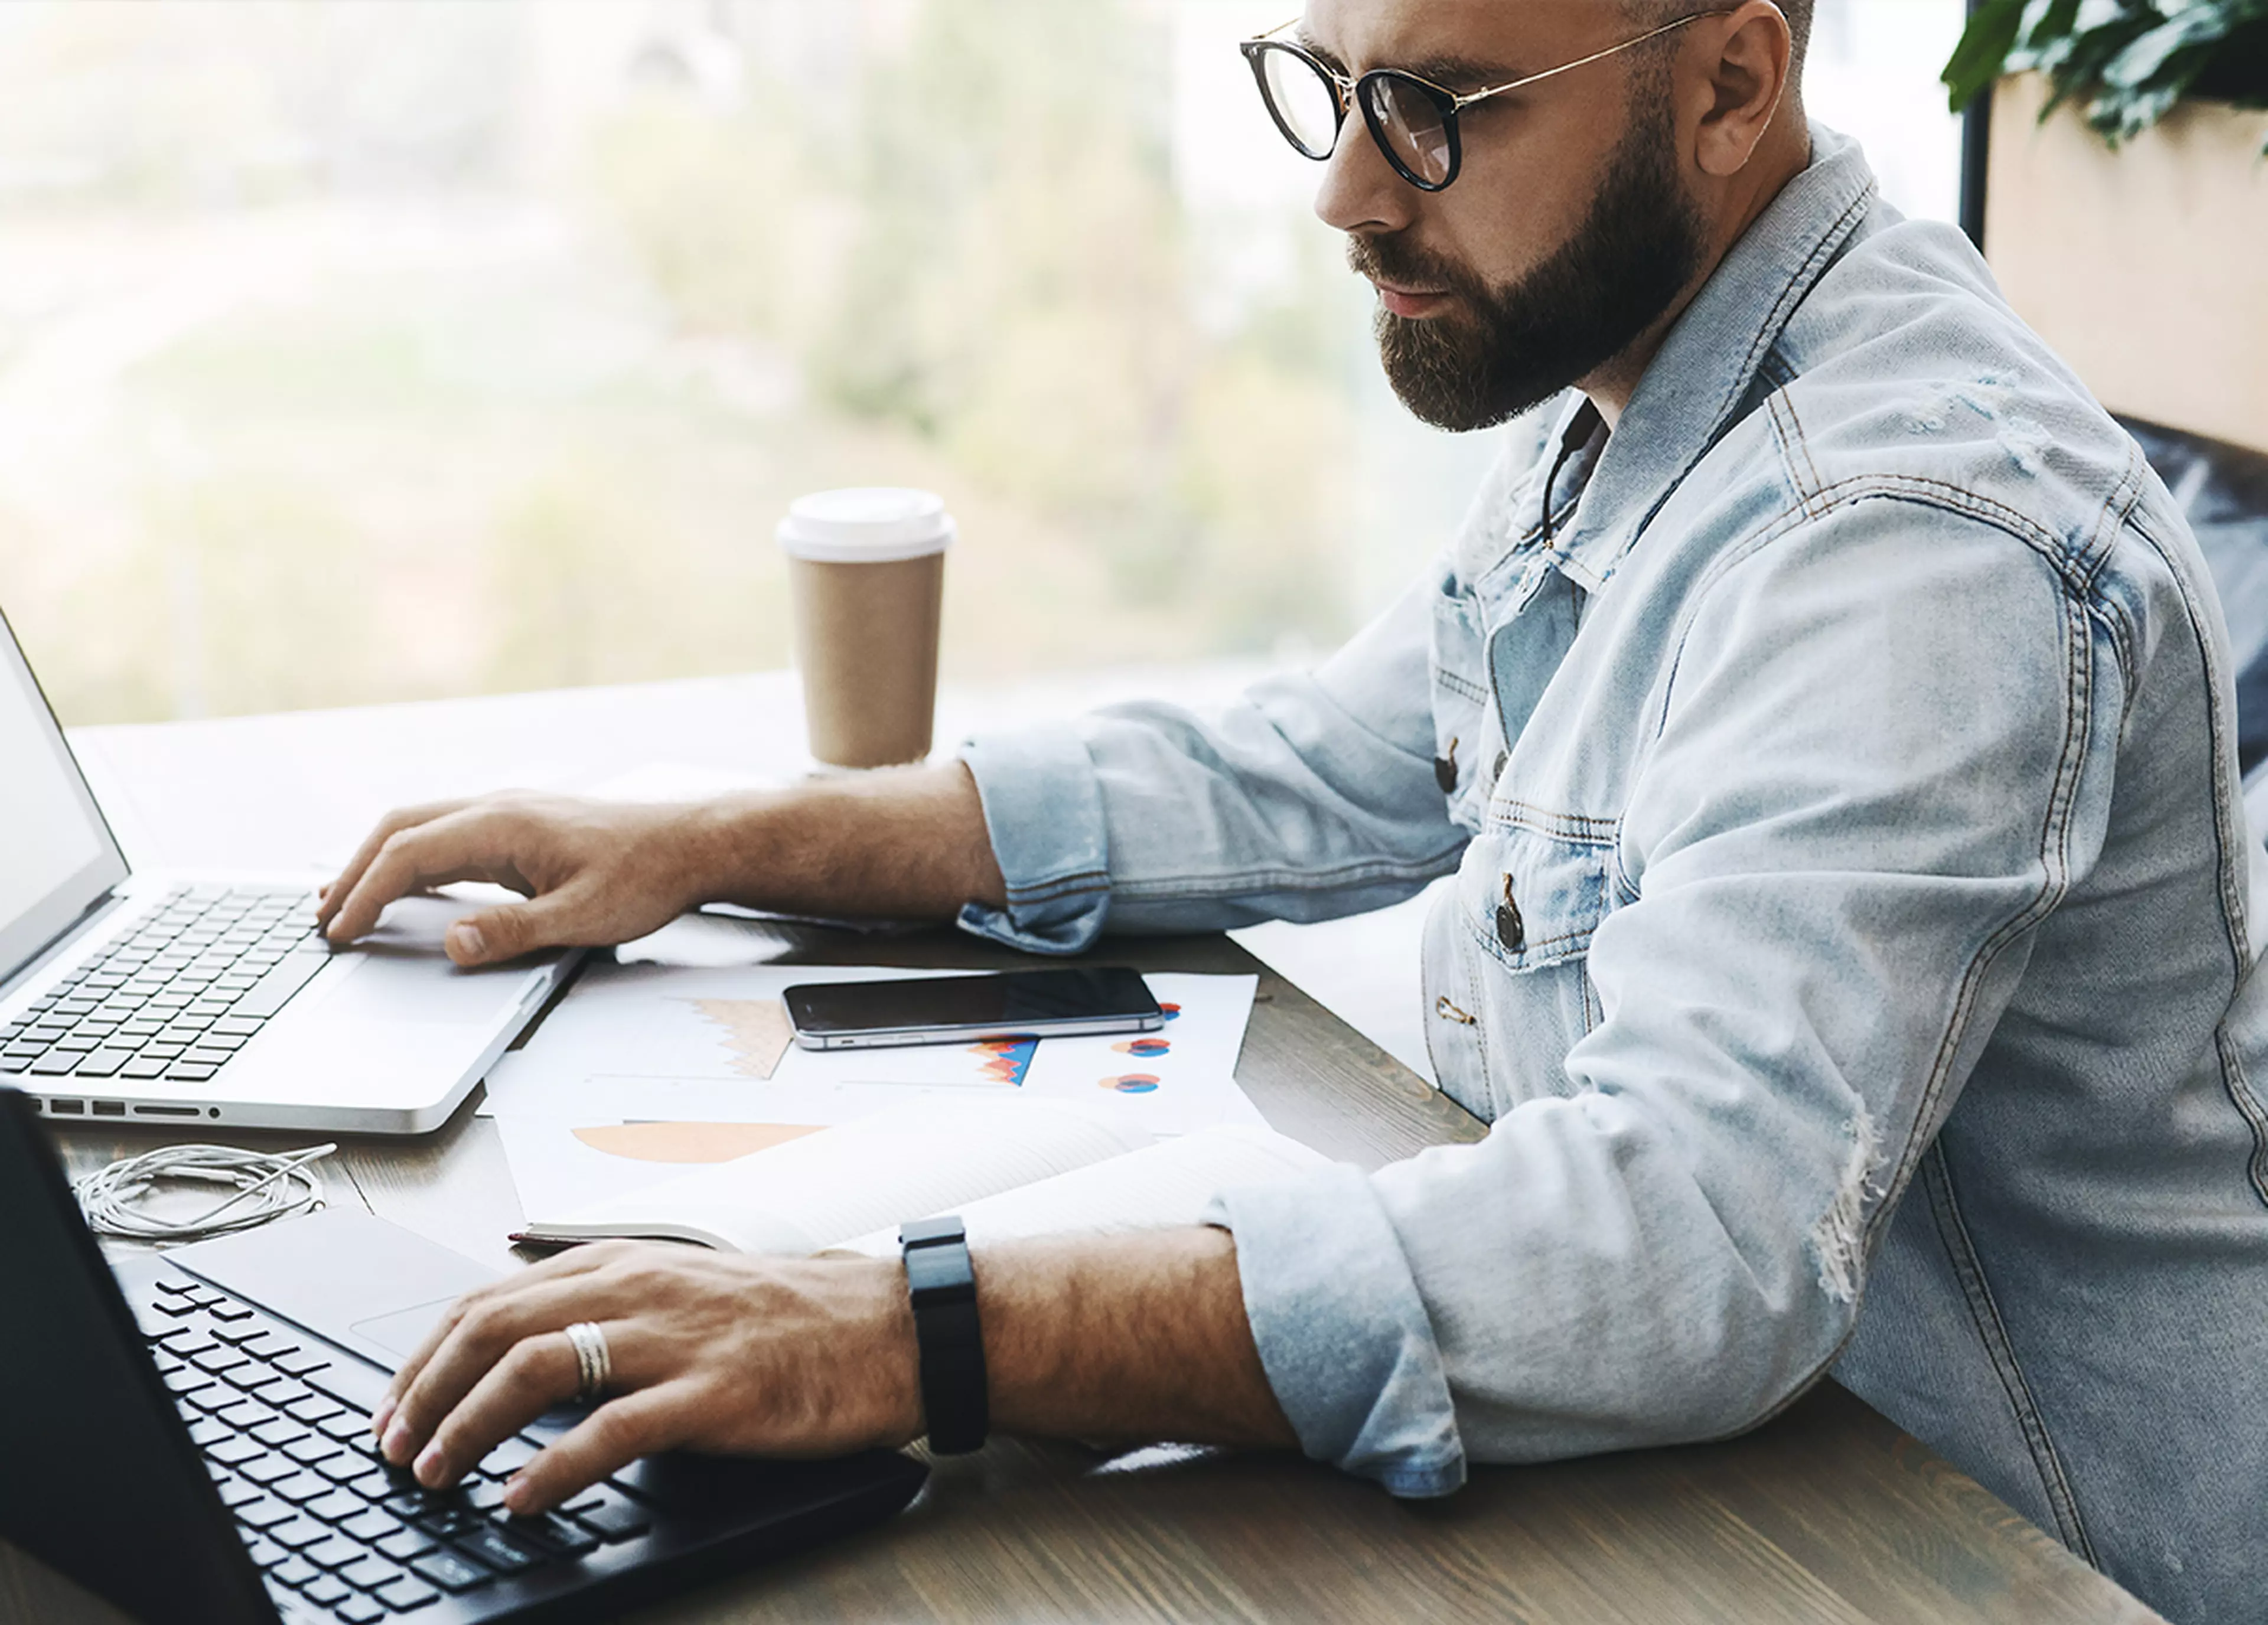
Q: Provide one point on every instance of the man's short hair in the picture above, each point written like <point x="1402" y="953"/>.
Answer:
<point x="1653" y="13"/>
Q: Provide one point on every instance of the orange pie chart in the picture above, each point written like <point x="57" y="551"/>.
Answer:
<point x="689" y="1142"/>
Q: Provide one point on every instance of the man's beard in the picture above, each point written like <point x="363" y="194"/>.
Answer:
<point x="1634" y="253"/>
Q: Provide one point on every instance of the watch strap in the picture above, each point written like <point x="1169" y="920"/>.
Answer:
<point x="941" y="1281"/>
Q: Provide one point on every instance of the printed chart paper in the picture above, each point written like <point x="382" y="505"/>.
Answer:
<point x="638" y="1042"/>
<point x="644" y="1070"/>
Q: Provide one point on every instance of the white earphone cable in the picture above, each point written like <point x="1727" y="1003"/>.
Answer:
<point x="269" y="1186"/>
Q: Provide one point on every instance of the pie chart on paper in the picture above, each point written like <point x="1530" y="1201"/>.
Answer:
<point x="688" y="1143"/>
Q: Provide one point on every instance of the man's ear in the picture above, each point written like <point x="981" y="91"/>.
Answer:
<point x="1746" y="63"/>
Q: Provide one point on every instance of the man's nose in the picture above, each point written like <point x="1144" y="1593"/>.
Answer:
<point x="1361" y="191"/>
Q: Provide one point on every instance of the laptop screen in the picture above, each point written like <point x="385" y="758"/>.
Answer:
<point x="56" y="855"/>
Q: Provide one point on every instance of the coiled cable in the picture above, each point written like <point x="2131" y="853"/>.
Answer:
<point x="269" y="1185"/>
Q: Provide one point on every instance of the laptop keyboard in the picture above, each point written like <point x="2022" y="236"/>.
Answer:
<point x="285" y="1434"/>
<point x="178" y="996"/>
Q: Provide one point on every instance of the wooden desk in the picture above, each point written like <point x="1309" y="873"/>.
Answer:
<point x="1827" y="1514"/>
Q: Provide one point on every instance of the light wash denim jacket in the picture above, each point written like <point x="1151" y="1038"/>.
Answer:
<point x="1853" y="940"/>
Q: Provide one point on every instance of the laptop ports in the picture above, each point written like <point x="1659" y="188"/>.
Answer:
<point x="110" y="1108"/>
<point x="67" y="1108"/>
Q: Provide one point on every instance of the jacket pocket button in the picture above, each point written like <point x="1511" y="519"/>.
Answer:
<point x="1444" y="769"/>
<point x="1510" y="929"/>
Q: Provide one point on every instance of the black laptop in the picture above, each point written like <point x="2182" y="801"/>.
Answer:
<point x="190" y="1437"/>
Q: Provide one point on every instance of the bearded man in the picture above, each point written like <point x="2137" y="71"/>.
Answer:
<point x="1828" y="718"/>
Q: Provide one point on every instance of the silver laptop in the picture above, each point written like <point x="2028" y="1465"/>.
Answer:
<point x="178" y="997"/>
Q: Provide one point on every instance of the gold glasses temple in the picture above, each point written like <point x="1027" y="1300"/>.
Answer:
<point x="1460" y="102"/>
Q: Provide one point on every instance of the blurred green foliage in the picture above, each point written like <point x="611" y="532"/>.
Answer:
<point x="2124" y="62"/>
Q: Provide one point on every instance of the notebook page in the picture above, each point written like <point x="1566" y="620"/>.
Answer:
<point x="817" y="1191"/>
<point x="1168" y="1183"/>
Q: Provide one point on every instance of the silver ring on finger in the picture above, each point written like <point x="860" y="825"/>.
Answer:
<point x="594" y="1366"/>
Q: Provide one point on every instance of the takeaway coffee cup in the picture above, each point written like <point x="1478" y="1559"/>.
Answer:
<point x="866" y="567"/>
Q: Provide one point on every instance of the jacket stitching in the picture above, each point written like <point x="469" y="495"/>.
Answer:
<point x="1058" y="882"/>
<point x="1789" y="471"/>
<point x="2234" y="1081"/>
<point x="1795" y="451"/>
<point x="1625" y="887"/>
<point x="1050" y="894"/>
<point x="2238" y="1088"/>
<point x="2116" y="515"/>
<point x="1575" y="826"/>
<point x="2232" y="893"/>
<point x="1531" y="958"/>
<point x="1849" y="494"/>
<point x="1802" y="441"/>
<point x="1797" y="288"/>
<point x="1936" y="493"/>
<point x="1992" y="1332"/>
<point x="2055" y="882"/>
<point x="1475" y="1001"/>
<point x="1171" y="886"/>
<point x="1464" y="687"/>
<point x="2124" y="497"/>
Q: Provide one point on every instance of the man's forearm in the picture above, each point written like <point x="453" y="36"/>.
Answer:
<point x="1132" y="1337"/>
<point x="909" y="842"/>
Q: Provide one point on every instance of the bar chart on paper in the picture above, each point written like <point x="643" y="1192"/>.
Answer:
<point x="757" y="1033"/>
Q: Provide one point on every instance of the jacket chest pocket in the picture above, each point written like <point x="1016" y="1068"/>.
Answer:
<point x="1464" y="733"/>
<point x="1491" y="668"/>
<point x="1508" y="984"/>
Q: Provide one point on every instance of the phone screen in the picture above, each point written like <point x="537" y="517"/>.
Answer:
<point x="1110" y="999"/>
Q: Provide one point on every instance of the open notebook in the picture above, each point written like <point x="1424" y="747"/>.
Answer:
<point x="1011" y="1169"/>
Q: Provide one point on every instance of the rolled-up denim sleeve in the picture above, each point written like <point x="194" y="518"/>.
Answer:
<point x="1344" y="1337"/>
<point x="1043" y="811"/>
<point x="1312" y="797"/>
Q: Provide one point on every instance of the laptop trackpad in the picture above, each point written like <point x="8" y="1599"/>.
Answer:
<point x="403" y="1333"/>
<point x="387" y="988"/>
<point x="358" y="1281"/>
<point x="404" y="974"/>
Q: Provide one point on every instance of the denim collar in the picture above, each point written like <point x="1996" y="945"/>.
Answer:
<point x="1708" y="364"/>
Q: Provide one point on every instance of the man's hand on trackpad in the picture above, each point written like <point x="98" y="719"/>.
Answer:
<point x="592" y="873"/>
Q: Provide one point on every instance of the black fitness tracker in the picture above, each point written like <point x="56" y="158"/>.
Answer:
<point x="942" y="1285"/>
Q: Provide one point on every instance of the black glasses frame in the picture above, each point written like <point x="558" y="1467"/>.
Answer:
<point x="1366" y="92"/>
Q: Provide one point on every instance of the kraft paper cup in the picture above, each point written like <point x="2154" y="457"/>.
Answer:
<point x="866" y="567"/>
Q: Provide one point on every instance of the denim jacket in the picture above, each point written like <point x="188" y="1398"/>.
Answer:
<point x="1854" y="935"/>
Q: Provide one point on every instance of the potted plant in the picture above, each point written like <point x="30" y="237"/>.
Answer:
<point x="2127" y="205"/>
<point x="2125" y="64"/>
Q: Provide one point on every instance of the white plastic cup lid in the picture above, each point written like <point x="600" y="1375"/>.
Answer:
<point x="866" y="524"/>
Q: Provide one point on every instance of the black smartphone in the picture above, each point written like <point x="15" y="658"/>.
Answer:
<point x="947" y="1010"/>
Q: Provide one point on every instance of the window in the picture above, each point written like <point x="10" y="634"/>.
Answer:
<point x="352" y="352"/>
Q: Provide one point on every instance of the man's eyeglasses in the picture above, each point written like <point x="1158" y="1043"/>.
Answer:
<point x="1413" y="121"/>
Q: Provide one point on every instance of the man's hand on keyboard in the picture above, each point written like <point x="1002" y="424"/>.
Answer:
<point x="721" y="1352"/>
